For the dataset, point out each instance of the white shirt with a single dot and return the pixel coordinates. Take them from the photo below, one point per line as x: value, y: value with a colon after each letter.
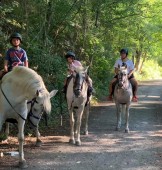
x: 129, y: 63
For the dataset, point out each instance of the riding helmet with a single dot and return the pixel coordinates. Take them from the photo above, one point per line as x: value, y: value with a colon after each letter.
x: 15, y: 35
x: 124, y: 50
x: 70, y: 54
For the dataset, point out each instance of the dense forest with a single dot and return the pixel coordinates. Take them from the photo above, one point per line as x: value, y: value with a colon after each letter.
x: 94, y: 30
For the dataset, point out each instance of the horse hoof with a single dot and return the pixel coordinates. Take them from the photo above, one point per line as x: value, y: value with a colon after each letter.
x: 23, y: 165
x: 71, y: 141
x: 126, y: 130
x: 85, y: 132
x: 38, y: 144
x: 78, y: 143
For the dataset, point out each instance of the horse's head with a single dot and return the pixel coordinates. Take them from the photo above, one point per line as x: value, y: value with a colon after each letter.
x: 80, y: 77
x: 122, y: 75
x: 39, y: 105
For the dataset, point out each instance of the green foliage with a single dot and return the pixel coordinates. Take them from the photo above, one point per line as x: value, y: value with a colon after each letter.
x: 94, y: 30
x: 151, y: 70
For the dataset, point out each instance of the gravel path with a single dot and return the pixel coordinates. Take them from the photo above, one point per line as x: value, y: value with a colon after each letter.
x: 104, y: 148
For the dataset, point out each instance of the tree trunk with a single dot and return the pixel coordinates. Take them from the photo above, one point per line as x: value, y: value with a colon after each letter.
x: 141, y: 65
x: 138, y: 59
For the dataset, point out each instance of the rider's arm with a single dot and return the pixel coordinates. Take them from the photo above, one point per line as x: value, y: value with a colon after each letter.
x: 73, y: 66
x: 130, y: 73
x: 132, y: 69
x: 26, y: 63
x: 6, y: 66
x: 25, y: 59
x: 116, y: 70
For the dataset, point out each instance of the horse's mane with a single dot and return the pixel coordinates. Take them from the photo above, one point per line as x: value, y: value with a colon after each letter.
x: 123, y: 69
x: 81, y: 69
x: 27, y: 77
x: 29, y: 81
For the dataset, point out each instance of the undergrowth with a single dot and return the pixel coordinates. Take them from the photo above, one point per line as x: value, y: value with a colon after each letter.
x: 150, y: 70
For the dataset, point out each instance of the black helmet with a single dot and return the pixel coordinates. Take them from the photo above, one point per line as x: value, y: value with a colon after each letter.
x: 16, y: 35
x: 70, y: 54
x: 124, y: 50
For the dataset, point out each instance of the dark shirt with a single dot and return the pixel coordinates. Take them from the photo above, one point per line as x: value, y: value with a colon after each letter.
x: 16, y: 57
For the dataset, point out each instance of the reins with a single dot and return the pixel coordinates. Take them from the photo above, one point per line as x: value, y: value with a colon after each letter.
x: 30, y: 113
x: 11, y: 104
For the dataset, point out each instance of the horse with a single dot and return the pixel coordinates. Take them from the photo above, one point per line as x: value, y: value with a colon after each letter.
x: 76, y: 96
x: 35, y: 111
x: 17, y: 87
x: 123, y: 96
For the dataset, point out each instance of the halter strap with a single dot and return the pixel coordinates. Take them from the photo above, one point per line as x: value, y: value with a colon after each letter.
x: 30, y: 113
x: 11, y: 104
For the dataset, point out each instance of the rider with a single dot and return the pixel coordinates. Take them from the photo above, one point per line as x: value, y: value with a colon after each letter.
x: 124, y: 60
x: 72, y: 65
x: 15, y: 56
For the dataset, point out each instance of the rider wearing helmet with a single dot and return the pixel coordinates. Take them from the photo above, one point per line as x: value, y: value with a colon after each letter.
x: 72, y: 65
x: 122, y: 61
x: 72, y: 62
x: 15, y: 56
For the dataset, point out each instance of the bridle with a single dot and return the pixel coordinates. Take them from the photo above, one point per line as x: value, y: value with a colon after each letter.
x: 78, y: 84
x: 30, y: 113
x: 122, y: 79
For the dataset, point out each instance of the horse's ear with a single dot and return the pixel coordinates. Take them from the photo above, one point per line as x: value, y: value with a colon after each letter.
x: 86, y: 69
x: 53, y: 93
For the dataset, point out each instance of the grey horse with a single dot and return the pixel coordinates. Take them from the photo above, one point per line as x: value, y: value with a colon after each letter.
x: 123, y: 96
x: 77, y: 104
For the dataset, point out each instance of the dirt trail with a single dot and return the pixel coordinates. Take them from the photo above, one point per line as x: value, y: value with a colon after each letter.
x: 104, y: 148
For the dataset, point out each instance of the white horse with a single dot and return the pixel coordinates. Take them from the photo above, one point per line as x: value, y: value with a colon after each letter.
x: 35, y: 112
x: 123, y: 97
x: 77, y: 104
x: 20, y: 85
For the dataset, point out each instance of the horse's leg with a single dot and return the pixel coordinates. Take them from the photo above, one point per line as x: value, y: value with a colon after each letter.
x: 6, y: 131
x: 1, y: 122
x: 38, y: 140
x: 7, y: 124
x: 2, y: 130
x: 86, y: 112
x: 22, y: 161
x: 118, y: 115
x: 72, y: 139
x: 127, y: 119
x: 78, y: 125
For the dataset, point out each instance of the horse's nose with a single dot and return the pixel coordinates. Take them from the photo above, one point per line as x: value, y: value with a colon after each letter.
x: 120, y: 84
x: 77, y: 92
